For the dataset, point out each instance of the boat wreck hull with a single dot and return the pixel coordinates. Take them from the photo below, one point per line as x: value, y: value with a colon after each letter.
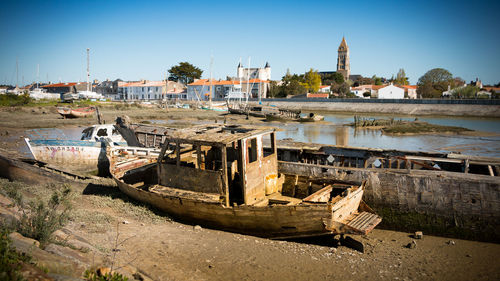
x: 76, y: 113
x: 273, y: 221
x: 80, y: 155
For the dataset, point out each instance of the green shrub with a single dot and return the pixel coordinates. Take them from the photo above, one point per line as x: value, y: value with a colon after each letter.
x: 10, y: 260
x: 40, y: 218
x: 14, y: 100
x: 93, y: 275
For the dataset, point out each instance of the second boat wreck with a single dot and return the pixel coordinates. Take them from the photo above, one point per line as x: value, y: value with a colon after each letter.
x: 220, y: 176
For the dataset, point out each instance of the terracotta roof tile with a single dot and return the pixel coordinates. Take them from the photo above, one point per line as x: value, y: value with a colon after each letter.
x: 317, y: 95
x: 69, y: 84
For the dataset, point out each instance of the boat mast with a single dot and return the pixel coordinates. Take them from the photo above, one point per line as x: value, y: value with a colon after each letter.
x: 210, y: 95
x: 240, y: 85
x: 17, y: 75
x: 259, y: 91
x: 88, y: 69
x: 37, y: 75
x: 248, y: 80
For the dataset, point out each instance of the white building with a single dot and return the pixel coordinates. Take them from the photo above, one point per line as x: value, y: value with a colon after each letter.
x: 149, y: 90
x: 200, y: 89
x: 391, y: 92
x: 324, y: 89
x: 360, y: 90
x: 410, y: 91
x: 254, y: 73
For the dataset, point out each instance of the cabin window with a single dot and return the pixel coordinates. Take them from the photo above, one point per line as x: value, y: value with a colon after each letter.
x: 87, y: 133
x: 102, y: 132
x: 252, y: 150
x: 268, y: 145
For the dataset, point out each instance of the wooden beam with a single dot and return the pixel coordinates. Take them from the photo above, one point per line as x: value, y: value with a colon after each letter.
x: 491, y: 171
x: 178, y: 153
x: 198, y: 155
x: 466, y: 166
x: 224, y: 174
x: 160, y: 158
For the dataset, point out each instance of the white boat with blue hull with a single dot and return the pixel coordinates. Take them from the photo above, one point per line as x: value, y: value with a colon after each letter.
x: 87, y: 153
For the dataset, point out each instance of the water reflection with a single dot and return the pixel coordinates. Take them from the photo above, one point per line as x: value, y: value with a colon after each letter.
x: 336, y: 133
x: 342, y: 136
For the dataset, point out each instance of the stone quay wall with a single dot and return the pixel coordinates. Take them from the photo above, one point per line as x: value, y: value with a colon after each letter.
x: 478, y: 108
x: 468, y: 202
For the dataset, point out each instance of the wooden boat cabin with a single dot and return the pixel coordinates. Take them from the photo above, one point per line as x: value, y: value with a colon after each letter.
x: 229, y: 160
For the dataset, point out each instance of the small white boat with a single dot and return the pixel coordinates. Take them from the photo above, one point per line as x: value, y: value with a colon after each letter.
x: 82, y: 154
x: 89, y: 152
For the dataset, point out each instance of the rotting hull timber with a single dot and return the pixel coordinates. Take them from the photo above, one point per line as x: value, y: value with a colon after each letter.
x: 272, y: 221
x: 17, y: 170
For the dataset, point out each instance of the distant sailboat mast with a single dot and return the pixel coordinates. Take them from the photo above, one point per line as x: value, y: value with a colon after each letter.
x: 211, y: 86
x: 17, y: 75
x: 248, y: 80
x: 88, y: 69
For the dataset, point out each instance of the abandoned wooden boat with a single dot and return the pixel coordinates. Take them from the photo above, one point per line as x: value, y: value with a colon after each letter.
x: 312, y: 117
x: 293, y: 115
x: 220, y: 176
x: 67, y: 112
x: 283, y: 115
x: 255, y: 111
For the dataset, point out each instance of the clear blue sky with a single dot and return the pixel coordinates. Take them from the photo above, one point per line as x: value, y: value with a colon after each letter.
x: 133, y: 40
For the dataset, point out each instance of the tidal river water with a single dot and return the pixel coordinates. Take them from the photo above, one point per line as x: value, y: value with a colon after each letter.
x: 333, y: 132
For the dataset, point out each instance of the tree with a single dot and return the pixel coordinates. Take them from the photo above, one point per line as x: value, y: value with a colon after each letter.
x: 294, y: 88
x: 275, y: 90
x: 465, y: 92
x: 401, y: 78
x: 434, y: 82
x: 365, y: 81
x: 338, y: 78
x: 184, y: 73
x: 377, y: 80
x: 312, y: 80
x: 341, y: 89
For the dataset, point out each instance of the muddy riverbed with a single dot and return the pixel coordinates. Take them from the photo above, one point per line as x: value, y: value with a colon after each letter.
x: 161, y: 249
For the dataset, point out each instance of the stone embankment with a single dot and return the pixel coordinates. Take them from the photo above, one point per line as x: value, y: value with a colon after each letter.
x: 475, y: 110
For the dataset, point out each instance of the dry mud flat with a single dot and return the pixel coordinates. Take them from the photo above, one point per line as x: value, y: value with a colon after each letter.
x: 108, y: 229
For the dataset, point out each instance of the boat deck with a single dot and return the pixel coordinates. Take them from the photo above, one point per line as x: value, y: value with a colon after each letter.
x: 180, y: 193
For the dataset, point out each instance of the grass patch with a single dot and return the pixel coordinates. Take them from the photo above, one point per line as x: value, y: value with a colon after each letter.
x: 393, y: 126
x: 94, y: 221
x: 104, y: 197
x: 416, y: 127
x: 15, y: 100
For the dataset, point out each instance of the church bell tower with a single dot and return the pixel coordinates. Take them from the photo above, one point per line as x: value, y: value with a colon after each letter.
x: 343, y: 65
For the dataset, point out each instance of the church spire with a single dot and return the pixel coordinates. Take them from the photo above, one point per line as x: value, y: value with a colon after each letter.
x: 343, y: 45
x: 343, y: 65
